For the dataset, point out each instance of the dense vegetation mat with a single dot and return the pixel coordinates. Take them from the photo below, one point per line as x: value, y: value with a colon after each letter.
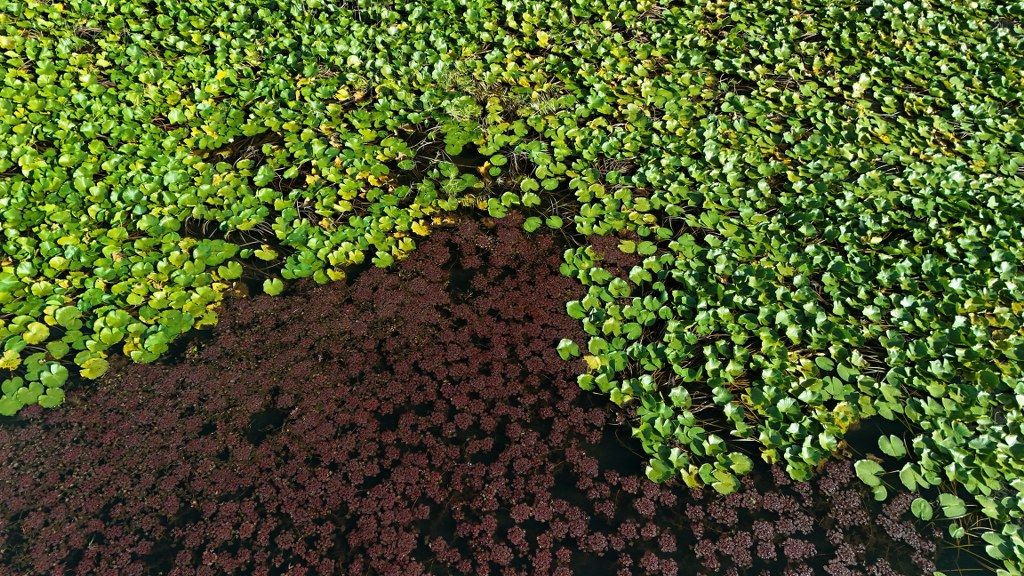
x: 336, y: 432
x: 824, y: 197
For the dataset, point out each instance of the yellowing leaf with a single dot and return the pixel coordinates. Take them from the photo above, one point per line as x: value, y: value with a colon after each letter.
x: 36, y: 333
x: 420, y: 228
x: 94, y: 368
x: 10, y: 360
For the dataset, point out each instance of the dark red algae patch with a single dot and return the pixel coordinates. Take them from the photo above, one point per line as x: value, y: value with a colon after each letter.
x: 415, y: 421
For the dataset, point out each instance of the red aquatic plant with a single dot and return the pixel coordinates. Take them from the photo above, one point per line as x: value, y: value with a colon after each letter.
x: 416, y: 420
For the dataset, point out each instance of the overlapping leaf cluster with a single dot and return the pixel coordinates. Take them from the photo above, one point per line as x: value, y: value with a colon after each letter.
x: 153, y: 153
x: 838, y: 197
x: 824, y: 198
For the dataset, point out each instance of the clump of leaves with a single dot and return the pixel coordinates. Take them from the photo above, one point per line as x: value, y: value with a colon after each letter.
x: 826, y: 237
x: 826, y: 200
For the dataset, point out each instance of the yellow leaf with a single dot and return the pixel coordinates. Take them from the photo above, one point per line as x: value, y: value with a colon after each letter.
x: 420, y: 228
x: 10, y: 360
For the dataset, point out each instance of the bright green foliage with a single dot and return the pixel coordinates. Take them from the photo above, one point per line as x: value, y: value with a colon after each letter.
x: 921, y: 508
x: 147, y: 149
x: 273, y: 286
x: 825, y: 197
x: 834, y: 196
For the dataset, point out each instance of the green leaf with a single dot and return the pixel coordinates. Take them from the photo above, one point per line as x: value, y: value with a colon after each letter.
x: 880, y: 493
x: 67, y: 316
x: 568, y: 349
x: 868, y: 471
x: 909, y: 477
x: 383, y: 260
x: 230, y: 271
x: 265, y: 253
x: 532, y: 223
x: 952, y: 505
x: 824, y: 363
x: 264, y: 175
x: 892, y: 445
x: 530, y: 199
x: 52, y: 398
x: 725, y: 482
x: 575, y: 309
x: 54, y: 376
x: 273, y: 286
x: 921, y: 508
x: 740, y: 463
x: 9, y: 406
x: 10, y: 360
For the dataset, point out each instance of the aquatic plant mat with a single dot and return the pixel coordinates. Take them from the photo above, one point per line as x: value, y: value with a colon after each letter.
x: 334, y: 431
x: 796, y: 227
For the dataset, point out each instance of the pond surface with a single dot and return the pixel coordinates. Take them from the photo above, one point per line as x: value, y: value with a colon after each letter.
x: 411, y: 421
